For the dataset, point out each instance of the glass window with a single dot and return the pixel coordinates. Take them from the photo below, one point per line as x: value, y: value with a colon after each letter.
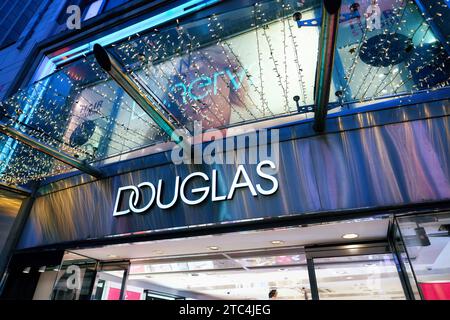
x: 365, y: 277
x: 386, y: 48
x: 239, y: 66
x: 109, y: 281
x: 75, y: 278
x: 427, y: 241
x: 234, y: 275
x: 44, y: 287
x: 404, y: 259
x: 246, y: 64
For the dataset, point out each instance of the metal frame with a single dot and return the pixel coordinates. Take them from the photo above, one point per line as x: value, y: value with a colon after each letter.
x: 15, y: 189
x: 434, y: 27
x: 325, y: 60
x: 312, y: 279
x: 130, y: 86
x: 13, y: 238
x: 403, y: 274
x: 121, y: 265
x: 49, y: 150
x: 409, y: 259
x: 350, y: 249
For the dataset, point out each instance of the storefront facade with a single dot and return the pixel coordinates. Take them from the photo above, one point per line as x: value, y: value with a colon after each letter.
x: 357, y: 211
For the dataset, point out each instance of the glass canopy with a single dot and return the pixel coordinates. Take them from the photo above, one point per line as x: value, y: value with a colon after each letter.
x: 236, y: 67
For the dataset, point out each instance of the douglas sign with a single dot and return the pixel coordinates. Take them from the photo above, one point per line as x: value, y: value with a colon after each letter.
x: 241, y: 180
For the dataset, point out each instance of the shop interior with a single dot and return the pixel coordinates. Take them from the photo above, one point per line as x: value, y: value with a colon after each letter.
x: 348, y: 260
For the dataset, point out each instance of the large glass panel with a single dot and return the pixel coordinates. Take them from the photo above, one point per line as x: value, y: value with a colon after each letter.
x: 75, y: 278
x: 237, y: 66
x: 427, y: 241
x: 234, y: 275
x: 404, y: 259
x: 44, y: 287
x: 387, y: 48
x: 364, y: 277
x: 109, y: 281
x: 243, y: 64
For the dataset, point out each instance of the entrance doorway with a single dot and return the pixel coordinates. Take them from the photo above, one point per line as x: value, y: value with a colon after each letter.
x: 247, y: 275
x: 255, y: 264
x: 110, y: 281
x: 277, y: 263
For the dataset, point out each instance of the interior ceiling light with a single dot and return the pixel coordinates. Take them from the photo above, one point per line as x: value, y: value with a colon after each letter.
x: 26, y: 270
x: 213, y: 248
x: 277, y: 242
x: 350, y: 236
x: 42, y: 269
x: 112, y: 256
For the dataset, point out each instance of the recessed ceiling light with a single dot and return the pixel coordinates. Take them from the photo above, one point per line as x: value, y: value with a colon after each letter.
x: 213, y: 248
x: 112, y: 256
x: 277, y: 242
x: 158, y: 252
x: 350, y: 236
x: 42, y: 269
x: 349, y: 278
x: 26, y: 270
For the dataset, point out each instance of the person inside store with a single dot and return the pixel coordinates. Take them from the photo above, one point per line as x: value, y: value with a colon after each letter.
x: 273, y: 294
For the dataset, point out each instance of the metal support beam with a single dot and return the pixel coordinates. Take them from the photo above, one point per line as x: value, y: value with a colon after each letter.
x: 325, y: 60
x: 15, y: 189
x: 115, y: 70
x: 49, y: 150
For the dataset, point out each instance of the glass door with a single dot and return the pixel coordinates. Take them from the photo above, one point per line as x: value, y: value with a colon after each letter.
x: 426, y: 252
x: 110, y: 281
x: 355, y: 272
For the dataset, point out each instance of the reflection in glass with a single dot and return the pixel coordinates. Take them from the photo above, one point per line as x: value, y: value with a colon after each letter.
x: 234, y: 67
x: 75, y: 278
x: 236, y: 275
x: 403, y: 256
x: 427, y: 241
x: 365, y: 277
x: 109, y: 281
x: 44, y: 287
x: 388, y: 49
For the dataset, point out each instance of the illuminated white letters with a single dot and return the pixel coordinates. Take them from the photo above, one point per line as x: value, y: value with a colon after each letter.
x: 241, y: 180
x: 205, y: 190
x: 236, y: 184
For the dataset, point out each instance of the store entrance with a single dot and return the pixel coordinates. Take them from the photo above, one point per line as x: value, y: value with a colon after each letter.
x: 110, y: 281
x: 247, y: 275
x: 266, y: 264
x: 342, y: 260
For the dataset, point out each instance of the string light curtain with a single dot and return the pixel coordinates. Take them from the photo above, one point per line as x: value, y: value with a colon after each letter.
x: 241, y: 66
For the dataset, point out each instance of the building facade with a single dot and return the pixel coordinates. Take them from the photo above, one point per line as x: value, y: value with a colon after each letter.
x: 225, y: 149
